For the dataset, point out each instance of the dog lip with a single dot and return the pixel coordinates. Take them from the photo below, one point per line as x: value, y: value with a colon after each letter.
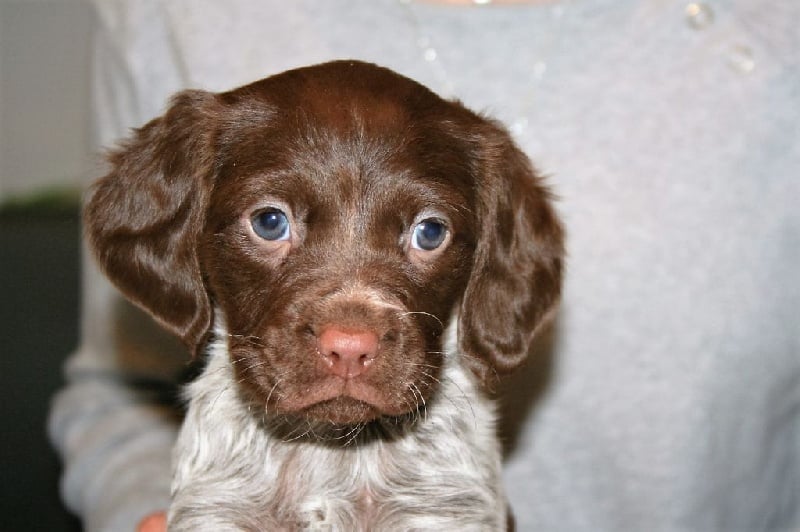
x: 343, y: 411
x: 338, y: 388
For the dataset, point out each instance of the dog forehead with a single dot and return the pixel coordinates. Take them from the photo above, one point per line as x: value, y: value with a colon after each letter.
x: 355, y: 175
x: 341, y: 96
x: 349, y: 135
x: 331, y: 86
x: 346, y: 125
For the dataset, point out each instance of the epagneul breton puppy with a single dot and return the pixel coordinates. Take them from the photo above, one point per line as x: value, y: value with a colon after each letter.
x: 358, y: 260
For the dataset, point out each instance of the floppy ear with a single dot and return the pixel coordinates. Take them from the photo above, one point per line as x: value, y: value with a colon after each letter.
x: 143, y: 219
x: 515, y: 282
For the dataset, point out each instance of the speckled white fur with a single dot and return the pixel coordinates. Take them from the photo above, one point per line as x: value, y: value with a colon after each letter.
x: 232, y: 473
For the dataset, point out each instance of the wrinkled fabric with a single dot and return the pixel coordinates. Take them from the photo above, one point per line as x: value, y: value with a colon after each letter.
x: 666, y: 395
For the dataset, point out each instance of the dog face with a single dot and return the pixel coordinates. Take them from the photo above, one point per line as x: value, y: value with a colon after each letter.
x: 337, y: 261
x: 335, y: 217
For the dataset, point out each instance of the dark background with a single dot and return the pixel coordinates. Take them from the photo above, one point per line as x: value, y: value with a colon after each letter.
x: 45, y: 142
x: 39, y: 279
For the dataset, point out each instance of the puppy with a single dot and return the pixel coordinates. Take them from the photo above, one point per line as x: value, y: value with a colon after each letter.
x: 358, y: 260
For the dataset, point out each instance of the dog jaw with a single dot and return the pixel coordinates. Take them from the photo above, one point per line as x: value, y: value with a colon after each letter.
x: 248, y: 474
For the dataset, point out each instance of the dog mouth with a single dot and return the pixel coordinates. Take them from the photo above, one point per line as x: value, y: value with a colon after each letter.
x: 341, y: 422
x: 348, y: 402
x: 354, y: 365
x: 342, y: 411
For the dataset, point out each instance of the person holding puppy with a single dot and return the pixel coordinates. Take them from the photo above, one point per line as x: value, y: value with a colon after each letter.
x: 665, y: 396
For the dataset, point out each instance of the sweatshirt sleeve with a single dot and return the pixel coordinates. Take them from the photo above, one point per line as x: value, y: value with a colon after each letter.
x: 115, y: 421
x: 116, y: 442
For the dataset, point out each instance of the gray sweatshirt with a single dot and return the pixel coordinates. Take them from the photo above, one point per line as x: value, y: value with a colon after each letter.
x: 667, y: 394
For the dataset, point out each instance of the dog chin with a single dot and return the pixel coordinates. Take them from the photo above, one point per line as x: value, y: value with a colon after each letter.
x: 342, y: 411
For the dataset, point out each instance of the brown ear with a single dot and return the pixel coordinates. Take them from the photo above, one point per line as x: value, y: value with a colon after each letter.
x: 143, y: 219
x: 516, y: 276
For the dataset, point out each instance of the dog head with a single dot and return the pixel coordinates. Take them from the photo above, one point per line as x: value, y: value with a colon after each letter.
x: 335, y: 217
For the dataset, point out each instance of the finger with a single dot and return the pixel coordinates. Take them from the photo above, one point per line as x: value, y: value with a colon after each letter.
x: 153, y: 523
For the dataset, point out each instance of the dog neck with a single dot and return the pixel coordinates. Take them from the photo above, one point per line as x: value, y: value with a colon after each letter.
x: 363, y: 482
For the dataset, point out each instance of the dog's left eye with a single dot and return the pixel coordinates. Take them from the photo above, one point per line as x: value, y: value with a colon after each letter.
x: 428, y: 235
x: 271, y: 224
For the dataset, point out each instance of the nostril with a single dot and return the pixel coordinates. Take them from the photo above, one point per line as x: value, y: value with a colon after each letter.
x: 362, y: 359
x: 347, y: 353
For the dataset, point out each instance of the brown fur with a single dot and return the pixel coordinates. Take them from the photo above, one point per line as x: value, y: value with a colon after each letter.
x: 354, y: 153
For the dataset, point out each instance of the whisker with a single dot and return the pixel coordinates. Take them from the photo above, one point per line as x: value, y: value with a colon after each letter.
x: 413, y: 415
x: 296, y: 429
x: 222, y: 369
x: 221, y: 392
x: 425, y: 370
x: 466, y: 399
x: 479, y: 360
x: 424, y: 314
x: 421, y: 365
x: 353, y: 434
x: 269, y: 395
x: 251, y: 339
x: 256, y: 364
x: 418, y: 393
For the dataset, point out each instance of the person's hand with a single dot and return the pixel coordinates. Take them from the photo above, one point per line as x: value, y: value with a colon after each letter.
x: 156, y: 522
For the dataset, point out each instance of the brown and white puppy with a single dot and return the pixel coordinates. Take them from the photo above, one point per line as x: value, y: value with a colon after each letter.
x: 358, y: 259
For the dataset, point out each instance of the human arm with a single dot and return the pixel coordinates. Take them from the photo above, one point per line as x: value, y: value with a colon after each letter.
x: 115, y: 421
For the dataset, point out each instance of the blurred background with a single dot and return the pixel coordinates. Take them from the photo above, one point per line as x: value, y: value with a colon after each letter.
x: 45, y: 156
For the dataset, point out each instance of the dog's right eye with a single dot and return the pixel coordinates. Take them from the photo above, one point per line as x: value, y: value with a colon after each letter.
x: 428, y: 235
x: 271, y: 224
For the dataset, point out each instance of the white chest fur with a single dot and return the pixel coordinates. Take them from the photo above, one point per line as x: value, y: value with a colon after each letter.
x: 230, y: 473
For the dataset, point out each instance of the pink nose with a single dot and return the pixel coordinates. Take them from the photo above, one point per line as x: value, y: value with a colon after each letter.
x: 347, y: 353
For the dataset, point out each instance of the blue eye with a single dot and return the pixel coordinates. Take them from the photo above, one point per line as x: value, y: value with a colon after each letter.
x: 428, y: 235
x: 271, y: 224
